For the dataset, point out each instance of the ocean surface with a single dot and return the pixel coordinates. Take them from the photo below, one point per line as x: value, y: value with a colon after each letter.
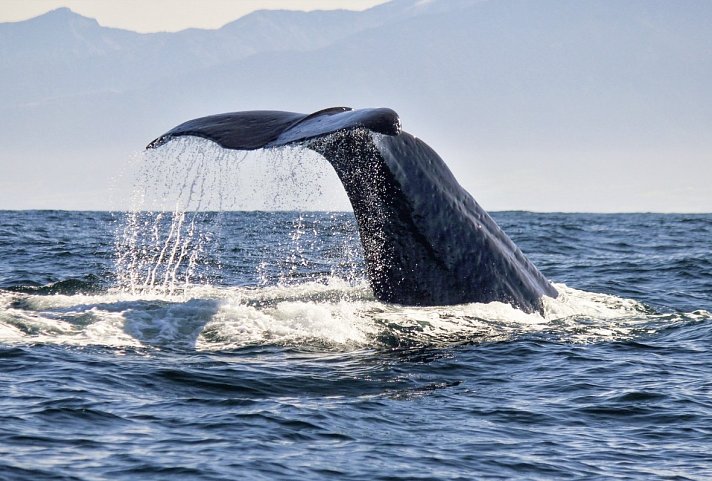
x: 247, y: 345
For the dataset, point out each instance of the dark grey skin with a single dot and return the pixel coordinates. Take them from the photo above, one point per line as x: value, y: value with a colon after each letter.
x: 426, y: 241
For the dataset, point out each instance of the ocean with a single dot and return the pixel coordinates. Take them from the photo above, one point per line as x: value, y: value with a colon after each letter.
x: 250, y: 347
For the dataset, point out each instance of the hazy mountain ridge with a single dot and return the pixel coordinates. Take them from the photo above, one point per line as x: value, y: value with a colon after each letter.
x: 530, y: 82
x: 85, y: 56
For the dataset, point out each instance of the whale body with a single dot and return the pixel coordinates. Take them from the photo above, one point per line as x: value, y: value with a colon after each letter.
x: 426, y: 241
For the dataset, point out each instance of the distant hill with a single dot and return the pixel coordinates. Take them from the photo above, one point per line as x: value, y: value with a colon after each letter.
x: 549, y: 105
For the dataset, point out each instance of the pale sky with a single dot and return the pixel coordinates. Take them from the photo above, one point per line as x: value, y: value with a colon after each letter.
x: 167, y: 15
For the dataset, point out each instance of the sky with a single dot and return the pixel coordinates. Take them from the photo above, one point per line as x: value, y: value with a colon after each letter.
x: 537, y: 128
x: 150, y: 15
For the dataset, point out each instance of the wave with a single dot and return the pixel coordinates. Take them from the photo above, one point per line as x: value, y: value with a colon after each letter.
x: 87, y: 284
x: 329, y: 315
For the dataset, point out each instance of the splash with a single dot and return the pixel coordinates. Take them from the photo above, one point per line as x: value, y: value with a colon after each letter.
x: 168, y: 241
x: 314, y: 315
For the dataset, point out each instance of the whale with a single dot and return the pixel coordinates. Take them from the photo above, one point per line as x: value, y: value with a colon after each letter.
x: 426, y: 241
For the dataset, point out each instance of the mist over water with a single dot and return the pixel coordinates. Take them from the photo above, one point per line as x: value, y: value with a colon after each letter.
x: 195, y: 337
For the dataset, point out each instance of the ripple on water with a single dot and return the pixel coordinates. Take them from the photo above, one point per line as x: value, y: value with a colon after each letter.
x: 273, y: 374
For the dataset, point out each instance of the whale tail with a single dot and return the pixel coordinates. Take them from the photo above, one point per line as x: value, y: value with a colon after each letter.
x: 426, y: 240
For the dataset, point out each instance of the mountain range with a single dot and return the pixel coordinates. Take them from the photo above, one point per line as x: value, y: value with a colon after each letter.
x: 591, y: 105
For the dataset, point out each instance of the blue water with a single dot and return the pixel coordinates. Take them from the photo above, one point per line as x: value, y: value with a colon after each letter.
x: 258, y: 352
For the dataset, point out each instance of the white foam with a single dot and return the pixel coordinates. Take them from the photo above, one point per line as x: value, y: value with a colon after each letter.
x: 335, y: 314
x: 9, y: 333
x: 287, y: 322
x: 576, y: 303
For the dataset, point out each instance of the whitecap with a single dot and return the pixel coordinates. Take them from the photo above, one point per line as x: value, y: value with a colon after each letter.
x: 330, y: 315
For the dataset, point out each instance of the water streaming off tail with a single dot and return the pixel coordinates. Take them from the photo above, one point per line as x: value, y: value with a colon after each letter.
x: 169, y: 239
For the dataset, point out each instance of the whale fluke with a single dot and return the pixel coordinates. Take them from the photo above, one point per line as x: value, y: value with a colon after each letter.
x: 426, y: 241
x: 260, y: 129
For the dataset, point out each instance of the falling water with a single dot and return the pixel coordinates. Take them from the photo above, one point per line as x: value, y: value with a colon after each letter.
x: 168, y: 240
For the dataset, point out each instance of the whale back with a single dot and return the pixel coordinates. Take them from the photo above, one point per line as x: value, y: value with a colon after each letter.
x: 426, y: 241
